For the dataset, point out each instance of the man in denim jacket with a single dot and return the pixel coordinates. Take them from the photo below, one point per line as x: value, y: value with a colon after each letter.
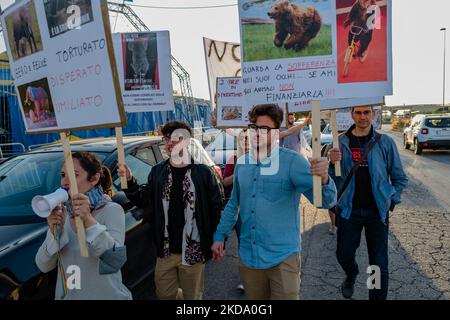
x: 373, y: 191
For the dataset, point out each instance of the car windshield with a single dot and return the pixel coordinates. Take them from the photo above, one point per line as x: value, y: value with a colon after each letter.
x: 25, y: 176
x: 438, y: 123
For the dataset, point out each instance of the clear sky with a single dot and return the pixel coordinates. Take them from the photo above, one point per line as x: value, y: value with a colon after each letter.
x: 417, y: 42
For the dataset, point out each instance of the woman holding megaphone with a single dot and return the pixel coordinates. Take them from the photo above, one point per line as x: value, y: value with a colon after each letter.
x: 98, y: 276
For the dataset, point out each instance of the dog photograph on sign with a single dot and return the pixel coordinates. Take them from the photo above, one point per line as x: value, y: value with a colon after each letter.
x: 286, y: 29
x: 361, y: 40
x: 23, y: 31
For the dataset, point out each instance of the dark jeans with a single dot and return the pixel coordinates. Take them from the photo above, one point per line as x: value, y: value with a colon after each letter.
x: 349, y: 238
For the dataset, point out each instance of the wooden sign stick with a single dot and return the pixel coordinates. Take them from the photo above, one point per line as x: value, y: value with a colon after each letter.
x: 317, y: 180
x: 68, y: 161
x: 121, y: 156
x: 333, y: 123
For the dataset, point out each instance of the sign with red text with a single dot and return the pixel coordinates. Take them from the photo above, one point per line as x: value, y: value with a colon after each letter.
x: 305, y: 50
x: 143, y: 62
x: 304, y: 105
x: 231, y: 109
x: 63, y: 65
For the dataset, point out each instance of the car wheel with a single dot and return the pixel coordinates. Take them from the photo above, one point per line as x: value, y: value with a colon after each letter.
x: 417, y: 147
x: 406, y: 145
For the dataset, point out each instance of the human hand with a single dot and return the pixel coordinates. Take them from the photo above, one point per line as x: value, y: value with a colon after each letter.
x: 218, y: 251
x: 319, y: 167
x: 335, y: 155
x: 81, y: 208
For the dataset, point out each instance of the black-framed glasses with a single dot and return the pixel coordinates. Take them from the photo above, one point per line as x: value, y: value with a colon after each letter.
x: 365, y: 112
x: 254, y: 127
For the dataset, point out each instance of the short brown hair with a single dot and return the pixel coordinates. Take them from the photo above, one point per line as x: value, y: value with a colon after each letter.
x: 273, y: 111
x: 353, y: 108
x: 171, y: 126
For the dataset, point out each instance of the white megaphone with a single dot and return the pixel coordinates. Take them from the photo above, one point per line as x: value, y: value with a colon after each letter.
x: 43, y: 205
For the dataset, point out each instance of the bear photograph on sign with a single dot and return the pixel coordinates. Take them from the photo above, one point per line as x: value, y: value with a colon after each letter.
x: 61, y: 15
x: 23, y: 31
x: 141, y: 61
x: 285, y: 29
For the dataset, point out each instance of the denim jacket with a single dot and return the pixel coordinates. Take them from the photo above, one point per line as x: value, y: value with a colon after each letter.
x: 386, y: 173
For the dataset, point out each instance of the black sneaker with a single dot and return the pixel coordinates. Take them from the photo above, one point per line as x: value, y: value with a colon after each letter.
x: 348, y: 287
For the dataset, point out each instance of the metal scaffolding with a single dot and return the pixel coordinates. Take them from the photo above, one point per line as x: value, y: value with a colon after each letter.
x: 189, y: 112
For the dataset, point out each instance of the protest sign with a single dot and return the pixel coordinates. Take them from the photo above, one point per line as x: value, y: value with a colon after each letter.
x: 63, y: 65
x: 299, y: 50
x: 303, y: 106
x: 223, y: 59
x: 231, y: 109
x: 145, y: 76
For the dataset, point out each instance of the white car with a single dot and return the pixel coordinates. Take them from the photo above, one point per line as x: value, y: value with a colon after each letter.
x: 326, y: 136
x: 428, y: 132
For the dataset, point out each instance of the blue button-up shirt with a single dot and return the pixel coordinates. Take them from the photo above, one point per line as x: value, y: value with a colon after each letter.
x: 266, y: 195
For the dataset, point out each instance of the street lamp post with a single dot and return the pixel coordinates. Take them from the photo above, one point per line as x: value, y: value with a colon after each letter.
x: 443, y: 88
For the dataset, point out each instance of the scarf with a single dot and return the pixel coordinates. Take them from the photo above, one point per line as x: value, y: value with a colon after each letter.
x: 97, y: 200
x: 191, y: 250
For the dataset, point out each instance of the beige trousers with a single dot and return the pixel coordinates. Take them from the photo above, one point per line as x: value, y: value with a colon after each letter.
x: 170, y: 275
x: 281, y: 282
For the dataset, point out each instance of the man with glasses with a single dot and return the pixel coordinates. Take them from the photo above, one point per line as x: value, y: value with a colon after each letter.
x: 183, y: 202
x: 267, y: 185
x: 372, y: 191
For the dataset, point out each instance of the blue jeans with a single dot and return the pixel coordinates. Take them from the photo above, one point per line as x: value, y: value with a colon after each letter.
x: 349, y: 238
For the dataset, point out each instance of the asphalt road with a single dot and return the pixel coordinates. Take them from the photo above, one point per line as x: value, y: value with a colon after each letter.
x: 431, y: 168
x: 419, y: 242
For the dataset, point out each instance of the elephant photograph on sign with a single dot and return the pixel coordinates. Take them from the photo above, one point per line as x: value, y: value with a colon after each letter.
x: 37, y: 104
x: 23, y: 31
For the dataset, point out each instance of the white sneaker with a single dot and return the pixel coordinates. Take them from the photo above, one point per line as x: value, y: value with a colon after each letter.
x: 240, y: 287
x: 332, y: 231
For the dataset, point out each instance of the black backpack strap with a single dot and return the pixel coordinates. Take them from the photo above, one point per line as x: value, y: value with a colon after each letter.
x: 355, y: 168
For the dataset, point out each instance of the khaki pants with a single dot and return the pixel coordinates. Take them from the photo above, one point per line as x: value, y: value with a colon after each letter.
x: 281, y: 282
x: 170, y: 275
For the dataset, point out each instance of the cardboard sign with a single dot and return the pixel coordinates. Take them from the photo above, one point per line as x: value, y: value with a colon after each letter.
x: 223, y: 59
x: 299, y: 50
x: 143, y: 61
x: 63, y: 65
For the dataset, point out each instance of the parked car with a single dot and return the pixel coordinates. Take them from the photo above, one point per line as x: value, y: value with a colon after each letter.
x: 326, y: 136
x: 22, y: 232
x: 428, y: 132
